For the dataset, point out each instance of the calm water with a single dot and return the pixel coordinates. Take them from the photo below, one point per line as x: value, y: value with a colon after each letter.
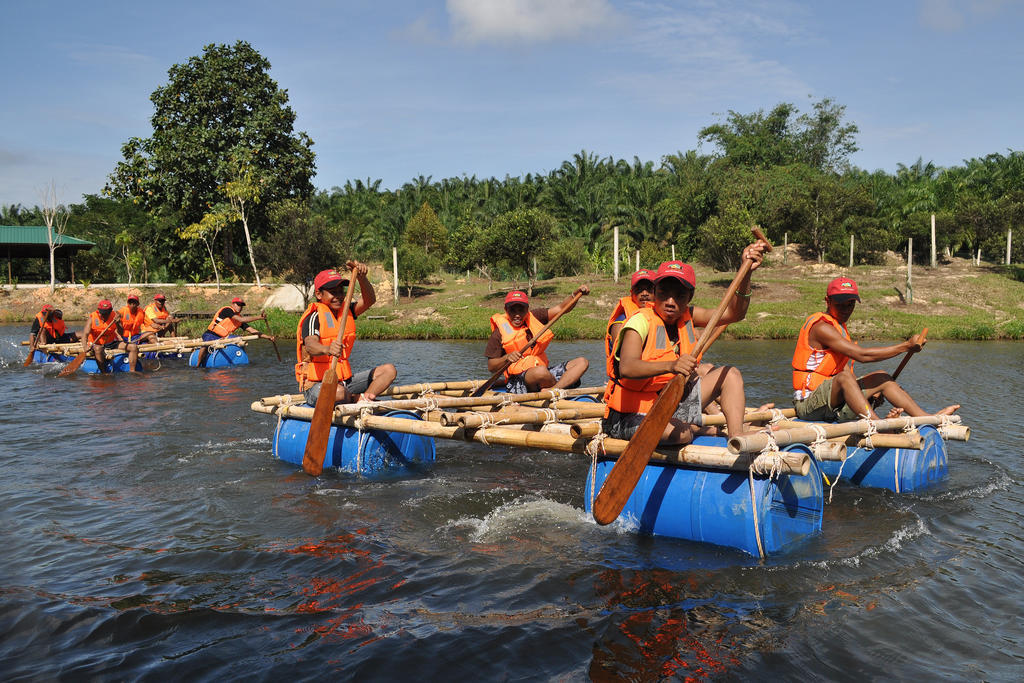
x: 148, y: 533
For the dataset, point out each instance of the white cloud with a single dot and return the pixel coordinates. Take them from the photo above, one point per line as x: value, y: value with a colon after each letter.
x: 476, y: 21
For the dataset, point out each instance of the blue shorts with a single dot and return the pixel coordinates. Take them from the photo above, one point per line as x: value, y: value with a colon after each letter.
x: 517, y: 383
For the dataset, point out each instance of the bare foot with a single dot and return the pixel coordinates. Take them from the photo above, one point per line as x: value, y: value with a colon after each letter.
x: 949, y: 410
x: 894, y: 412
x: 366, y: 396
x: 764, y: 406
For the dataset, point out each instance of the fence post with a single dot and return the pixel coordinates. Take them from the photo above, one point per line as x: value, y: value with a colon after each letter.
x: 673, y: 252
x: 1009, y: 244
x: 615, y: 249
x: 394, y: 262
x: 637, y: 261
x: 933, y: 240
x: 785, y: 247
x: 851, y: 250
x: 910, y: 264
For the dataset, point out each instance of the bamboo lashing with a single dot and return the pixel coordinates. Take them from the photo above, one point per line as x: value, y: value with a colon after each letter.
x: 754, y: 443
x: 703, y: 456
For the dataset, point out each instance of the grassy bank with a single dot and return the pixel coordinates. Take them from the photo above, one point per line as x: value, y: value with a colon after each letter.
x: 955, y: 300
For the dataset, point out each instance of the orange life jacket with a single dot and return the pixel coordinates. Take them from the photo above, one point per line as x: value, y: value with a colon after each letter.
x: 41, y: 319
x: 222, y: 327
x: 813, y: 366
x: 131, y: 323
x: 54, y: 329
x: 310, y: 369
x: 628, y: 395
x: 626, y: 306
x: 514, y: 339
x: 153, y: 314
x: 96, y: 325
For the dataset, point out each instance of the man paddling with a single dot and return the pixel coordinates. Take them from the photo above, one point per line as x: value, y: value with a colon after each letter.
x: 225, y: 322
x: 318, y: 338
x: 54, y: 330
x: 103, y: 331
x: 641, y: 295
x: 654, y: 345
x: 512, y: 330
x: 824, y: 386
x: 34, y: 336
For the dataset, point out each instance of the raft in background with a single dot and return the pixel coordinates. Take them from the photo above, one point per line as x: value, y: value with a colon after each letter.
x: 118, y: 361
x: 226, y: 352
x: 226, y: 356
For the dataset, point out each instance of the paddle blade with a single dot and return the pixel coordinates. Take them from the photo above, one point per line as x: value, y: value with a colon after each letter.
x: 320, y: 425
x: 72, y: 367
x: 626, y: 471
x: 28, y: 361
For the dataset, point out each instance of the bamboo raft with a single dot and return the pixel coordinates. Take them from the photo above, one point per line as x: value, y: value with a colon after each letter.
x: 762, y: 493
x: 225, y: 352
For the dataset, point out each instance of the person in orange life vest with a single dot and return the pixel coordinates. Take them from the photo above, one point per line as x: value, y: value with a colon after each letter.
x: 158, y: 319
x: 319, y: 337
x: 824, y: 385
x: 55, y: 331
x: 132, y: 318
x: 641, y: 295
x: 34, y: 338
x: 103, y: 331
x: 226, y: 321
x: 513, y: 329
x: 655, y: 344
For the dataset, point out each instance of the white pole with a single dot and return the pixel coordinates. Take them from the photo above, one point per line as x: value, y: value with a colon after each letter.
x: 851, y: 250
x: 394, y: 261
x: 977, y: 261
x: 910, y: 263
x: 1009, y: 244
x: 615, y: 256
x: 673, y: 252
x: 637, y: 261
x: 933, y: 240
x: 785, y: 247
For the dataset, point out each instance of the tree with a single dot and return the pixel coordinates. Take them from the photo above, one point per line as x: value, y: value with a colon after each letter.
x: 243, y: 192
x: 516, y: 237
x: 427, y: 231
x: 415, y: 265
x: 301, y: 246
x: 207, y: 229
x: 215, y: 109
x: 56, y: 218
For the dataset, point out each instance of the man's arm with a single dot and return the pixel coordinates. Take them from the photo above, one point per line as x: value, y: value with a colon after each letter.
x: 737, y: 308
x: 824, y: 336
x: 367, y: 295
x: 568, y: 304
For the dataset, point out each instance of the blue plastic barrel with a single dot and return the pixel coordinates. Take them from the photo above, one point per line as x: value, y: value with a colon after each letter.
x: 226, y: 357
x: 41, y: 357
x: 902, y: 470
x: 369, y: 453
x: 118, y: 363
x: 715, y: 506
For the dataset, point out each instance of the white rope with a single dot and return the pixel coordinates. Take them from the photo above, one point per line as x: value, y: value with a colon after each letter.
x: 488, y: 420
x: 770, y: 454
x: 753, y: 506
x: 842, y: 463
x: 777, y: 416
x: 820, y: 436
x: 868, y: 433
x: 550, y: 415
x: 908, y: 425
x: 429, y: 404
x: 365, y: 411
x: 594, y: 446
x: 506, y: 400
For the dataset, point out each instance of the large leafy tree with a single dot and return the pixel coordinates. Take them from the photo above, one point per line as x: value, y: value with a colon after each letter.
x: 216, y: 108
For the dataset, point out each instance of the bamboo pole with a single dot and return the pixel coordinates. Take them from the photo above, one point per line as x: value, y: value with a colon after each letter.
x: 524, y: 415
x: 753, y: 443
x: 432, y: 386
x: 704, y: 456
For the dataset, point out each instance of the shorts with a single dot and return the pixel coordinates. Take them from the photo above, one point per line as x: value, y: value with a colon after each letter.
x: 517, y: 384
x: 134, y: 339
x: 815, y: 408
x: 355, y: 385
x: 624, y: 425
x: 211, y: 336
x: 112, y: 345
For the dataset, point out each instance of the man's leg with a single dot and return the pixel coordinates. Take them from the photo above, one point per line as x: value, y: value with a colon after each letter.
x: 133, y: 356
x: 882, y: 383
x: 725, y: 385
x: 538, y: 377
x: 574, y: 370
x: 381, y: 377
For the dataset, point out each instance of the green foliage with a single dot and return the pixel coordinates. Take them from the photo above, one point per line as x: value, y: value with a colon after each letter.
x: 415, y: 265
x: 516, y: 237
x: 464, y: 243
x: 724, y: 236
x: 301, y: 245
x: 424, y: 229
x: 653, y: 254
x: 563, y: 257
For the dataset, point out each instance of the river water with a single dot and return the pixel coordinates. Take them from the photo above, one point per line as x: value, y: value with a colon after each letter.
x: 149, y: 533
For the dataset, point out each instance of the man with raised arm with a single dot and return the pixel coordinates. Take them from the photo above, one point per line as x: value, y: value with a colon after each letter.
x: 225, y: 322
x: 528, y: 371
x: 319, y: 338
x: 824, y: 386
x: 654, y: 345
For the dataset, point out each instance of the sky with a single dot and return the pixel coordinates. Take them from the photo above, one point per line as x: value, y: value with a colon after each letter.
x: 396, y: 89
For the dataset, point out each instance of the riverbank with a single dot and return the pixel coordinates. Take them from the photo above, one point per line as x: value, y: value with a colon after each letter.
x: 955, y: 300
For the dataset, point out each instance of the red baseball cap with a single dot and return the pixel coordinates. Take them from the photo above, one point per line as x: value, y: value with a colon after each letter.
x: 45, y: 308
x: 642, y: 274
x: 517, y: 297
x: 105, y: 305
x: 326, y: 278
x: 159, y: 297
x: 842, y: 289
x: 132, y: 297
x: 679, y: 270
x: 238, y: 300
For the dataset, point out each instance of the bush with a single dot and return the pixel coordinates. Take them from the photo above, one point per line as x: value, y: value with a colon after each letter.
x: 562, y: 258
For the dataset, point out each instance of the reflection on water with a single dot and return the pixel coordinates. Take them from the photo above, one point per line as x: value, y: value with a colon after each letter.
x: 149, y: 531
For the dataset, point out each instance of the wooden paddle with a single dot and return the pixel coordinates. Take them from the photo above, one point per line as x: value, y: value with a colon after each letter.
x: 626, y: 471
x: 877, y: 399
x: 494, y: 378
x: 72, y: 367
x: 320, y: 425
x: 31, y: 350
x: 272, y: 341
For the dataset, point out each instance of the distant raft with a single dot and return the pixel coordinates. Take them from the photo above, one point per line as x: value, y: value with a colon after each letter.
x: 221, y: 353
x: 117, y: 362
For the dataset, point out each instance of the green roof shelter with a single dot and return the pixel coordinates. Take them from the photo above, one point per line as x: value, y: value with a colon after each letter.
x: 30, y: 241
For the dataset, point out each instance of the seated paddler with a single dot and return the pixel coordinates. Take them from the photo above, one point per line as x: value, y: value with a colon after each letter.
x: 319, y: 337
x: 655, y: 344
x: 527, y: 369
x: 225, y: 321
x: 641, y: 295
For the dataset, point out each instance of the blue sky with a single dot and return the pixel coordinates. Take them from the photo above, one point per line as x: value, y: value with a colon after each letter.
x: 392, y: 89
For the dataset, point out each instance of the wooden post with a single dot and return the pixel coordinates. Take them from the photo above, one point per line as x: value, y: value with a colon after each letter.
x: 637, y: 261
x: 615, y: 249
x: 673, y: 252
x: 394, y: 263
x: 910, y: 264
x: 851, y: 250
x: 785, y: 247
x: 933, y: 240
x: 1009, y: 244
x: 977, y: 261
